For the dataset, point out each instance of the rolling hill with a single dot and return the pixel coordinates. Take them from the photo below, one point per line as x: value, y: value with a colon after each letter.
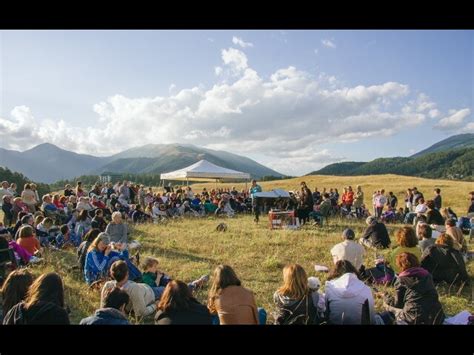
x: 451, y: 158
x: 48, y: 163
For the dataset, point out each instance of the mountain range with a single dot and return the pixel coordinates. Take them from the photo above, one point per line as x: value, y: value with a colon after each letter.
x: 49, y: 163
x: 449, y: 158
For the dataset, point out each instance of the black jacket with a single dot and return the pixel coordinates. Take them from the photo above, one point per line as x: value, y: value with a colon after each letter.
x: 40, y: 313
x: 434, y: 217
x: 416, y: 298
x: 295, y: 311
x: 196, y: 314
x: 445, y: 264
x: 378, y: 234
x: 81, y: 254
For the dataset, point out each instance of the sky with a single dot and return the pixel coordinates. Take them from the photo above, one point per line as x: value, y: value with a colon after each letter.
x: 294, y: 101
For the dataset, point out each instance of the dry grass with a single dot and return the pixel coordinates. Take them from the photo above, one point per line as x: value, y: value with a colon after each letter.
x: 189, y: 248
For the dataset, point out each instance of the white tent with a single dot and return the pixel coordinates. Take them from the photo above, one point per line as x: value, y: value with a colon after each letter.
x: 204, y: 171
x: 277, y: 193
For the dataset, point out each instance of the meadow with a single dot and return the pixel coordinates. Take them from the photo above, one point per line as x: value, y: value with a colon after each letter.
x: 190, y: 247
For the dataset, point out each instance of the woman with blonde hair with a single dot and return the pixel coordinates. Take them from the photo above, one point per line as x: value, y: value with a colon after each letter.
x: 230, y: 302
x: 293, y: 299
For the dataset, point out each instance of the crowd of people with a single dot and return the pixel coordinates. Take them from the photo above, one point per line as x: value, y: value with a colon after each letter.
x: 430, y: 249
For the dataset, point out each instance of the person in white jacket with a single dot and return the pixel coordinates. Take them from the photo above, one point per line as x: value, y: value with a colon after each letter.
x: 143, y: 299
x: 348, y: 299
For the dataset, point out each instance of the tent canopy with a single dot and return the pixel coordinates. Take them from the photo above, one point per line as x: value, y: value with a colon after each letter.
x: 204, y: 171
x: 277, y: 193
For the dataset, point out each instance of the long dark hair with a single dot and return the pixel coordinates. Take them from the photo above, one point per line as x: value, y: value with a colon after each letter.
x: 342, y: 267
x: 176, y: 296
x: 46, y: 288
x: 15, y: 288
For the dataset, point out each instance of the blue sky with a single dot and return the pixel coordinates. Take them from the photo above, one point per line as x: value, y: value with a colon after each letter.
x: 335, y: 95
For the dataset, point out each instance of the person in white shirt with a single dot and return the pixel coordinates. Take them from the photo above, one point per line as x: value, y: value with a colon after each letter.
x: 421, y: 207
x: 349, y: 250
x: 4, y: 191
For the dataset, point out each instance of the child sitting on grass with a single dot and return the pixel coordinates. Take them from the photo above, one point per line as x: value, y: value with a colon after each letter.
x: 66, y: 239
x: 157, y: 279
x: 42, y: 231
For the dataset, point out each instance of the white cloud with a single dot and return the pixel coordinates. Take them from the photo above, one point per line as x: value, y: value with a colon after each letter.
x: 172, y: 88
x: 237, y: 60
x: 239, y: 41
x: 328, y: 43
x: 469, y: 128
x: 454, y: 121
x: 285, y: 117
x: 316, y: 51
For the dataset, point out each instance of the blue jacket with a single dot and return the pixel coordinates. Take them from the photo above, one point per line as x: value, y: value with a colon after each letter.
x: 98, y: 263
x: 106, y: 316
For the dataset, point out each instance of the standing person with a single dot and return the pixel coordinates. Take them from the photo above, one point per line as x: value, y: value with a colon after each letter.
x: 293, y: 299
x: 359, y: 200
x: 392, y: 200
x: 124, y: 191
x: 113, y: 311
x: 79, y: 190
x: 408, y: 201
x: 44, y: 304
x: 306, y: 203
x: 380, y: 202
x: 230, y: 301
x: 316, y: 196
x: 4, y: 191
x: 141, y: 195
x: 8, y: 211
x: 255, y: 188
x: 29, y: 198
x: 470, y: 211
x: 416, y: 299
x: 35, y: 190
x: 374, y: 201
x: 437, y: 199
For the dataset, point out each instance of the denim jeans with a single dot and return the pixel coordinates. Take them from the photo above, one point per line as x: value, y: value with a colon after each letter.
x: 262, y: 317
x: 165, y: 279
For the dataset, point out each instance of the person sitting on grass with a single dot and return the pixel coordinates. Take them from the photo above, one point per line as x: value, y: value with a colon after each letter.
x: 15, y: 288
x: 100, y: 257
x: 348, y: 299
x: 444, y: 262
x: 178, y: 306
x: 376, y: 235
x: 416, y: 300
x: 229, y: 302
x: 44, y: 304
x: 83, y: 224
x: 98, y: 221
x: 407, y: 243
x: 7, y: 209
x: 425, y: 239
x: 454, y: 232
x: 28, y: 241
x: 65, y: 239
x: 293, y: 299
x: 42, y: 231
x: 84, y: 246
x: 433, y: 216
x: 117, y: 230
x: 22, y: 256
x: 349, y: 250
x: 138, y: 216
x: 158, y: 280
x: 113, y: 311
x: 143, y: 299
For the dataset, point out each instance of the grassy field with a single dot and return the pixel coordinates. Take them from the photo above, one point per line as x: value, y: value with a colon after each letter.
x: 189, y: 248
